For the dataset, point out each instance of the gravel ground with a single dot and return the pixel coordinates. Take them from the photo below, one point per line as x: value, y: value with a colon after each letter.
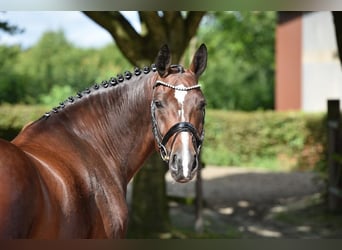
x: 254, y: 203
x: 227, y: 185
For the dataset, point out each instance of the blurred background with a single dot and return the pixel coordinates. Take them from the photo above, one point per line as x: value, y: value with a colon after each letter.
x: 272, y: 155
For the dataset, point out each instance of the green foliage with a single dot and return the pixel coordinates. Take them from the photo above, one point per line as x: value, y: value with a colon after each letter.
x: 54, y: 65
x: 240, y: 72
x: 12, y: 86
x: 281, y: 140
x: 14, y: 117
x: 239, y: 76
x: 56, y: 93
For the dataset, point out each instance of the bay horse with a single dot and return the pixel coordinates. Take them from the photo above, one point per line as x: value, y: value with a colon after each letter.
x: 65, y: 175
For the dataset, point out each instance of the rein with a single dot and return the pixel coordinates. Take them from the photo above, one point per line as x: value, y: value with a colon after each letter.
x: 175, y: 129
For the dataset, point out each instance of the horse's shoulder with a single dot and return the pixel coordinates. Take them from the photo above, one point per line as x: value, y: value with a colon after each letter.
x: 11, y: 154
x: 15, y: 166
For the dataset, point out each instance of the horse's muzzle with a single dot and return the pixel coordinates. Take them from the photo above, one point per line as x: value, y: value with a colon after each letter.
x: 183, y: 169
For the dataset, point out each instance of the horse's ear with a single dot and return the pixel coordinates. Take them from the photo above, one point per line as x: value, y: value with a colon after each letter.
x: 163, y: 61
x: 199, y: 61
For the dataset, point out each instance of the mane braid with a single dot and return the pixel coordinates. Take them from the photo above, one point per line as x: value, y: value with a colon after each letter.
x: 112, y: 82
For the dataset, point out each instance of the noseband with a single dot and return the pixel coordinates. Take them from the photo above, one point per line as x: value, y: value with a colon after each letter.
x: 175, y: 129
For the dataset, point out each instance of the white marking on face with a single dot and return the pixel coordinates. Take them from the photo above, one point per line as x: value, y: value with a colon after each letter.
x: 185, y: 153
x: 180, y: 96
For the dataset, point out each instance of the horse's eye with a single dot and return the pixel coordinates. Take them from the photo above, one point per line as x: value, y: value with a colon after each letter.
x: 202, y: 105
x: 158, y: 104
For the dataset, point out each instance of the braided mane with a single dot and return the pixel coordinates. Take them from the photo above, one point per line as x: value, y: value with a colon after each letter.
x: 106, y: 84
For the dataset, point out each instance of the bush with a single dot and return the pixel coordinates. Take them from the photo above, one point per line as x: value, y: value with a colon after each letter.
x: 265, y: 139
x: 262, y: 139
x: 14, y: 117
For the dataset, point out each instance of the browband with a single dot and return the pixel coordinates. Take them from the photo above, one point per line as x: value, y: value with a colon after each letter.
x: 158, y: 82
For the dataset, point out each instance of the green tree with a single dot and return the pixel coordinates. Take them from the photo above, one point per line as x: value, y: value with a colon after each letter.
x: 240, y: 75
x: 57, y: 93
x: 55, y: 65
x: 176, y: 28
x: 12, y: 88
x: 10, y: 83
x: 42, y: 63
x: 337, y: 17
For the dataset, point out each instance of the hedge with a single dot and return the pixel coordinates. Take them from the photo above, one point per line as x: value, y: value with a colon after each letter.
x: 278, y: 139
x: 267, y: 139
x: 14, y: 117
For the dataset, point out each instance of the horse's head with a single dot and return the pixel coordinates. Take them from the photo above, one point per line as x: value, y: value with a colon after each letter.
x: 178, y: 109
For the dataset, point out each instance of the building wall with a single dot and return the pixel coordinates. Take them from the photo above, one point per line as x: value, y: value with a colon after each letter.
x: 321, y: 69
x: 288, y: 61
x: 308, y: 70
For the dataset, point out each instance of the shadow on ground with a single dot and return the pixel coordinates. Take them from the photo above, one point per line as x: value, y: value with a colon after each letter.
x: 246, y: 203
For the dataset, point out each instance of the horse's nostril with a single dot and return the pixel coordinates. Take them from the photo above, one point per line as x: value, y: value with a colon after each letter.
x: 174, y: 162
x: 194, y: 163
x: 174, y: 158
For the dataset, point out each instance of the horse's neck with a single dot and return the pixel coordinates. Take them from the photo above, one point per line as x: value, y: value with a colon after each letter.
x: 119, y: 126
x: 115, y: 123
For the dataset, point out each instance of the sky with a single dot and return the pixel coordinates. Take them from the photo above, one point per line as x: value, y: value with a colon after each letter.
x: 78, y: 28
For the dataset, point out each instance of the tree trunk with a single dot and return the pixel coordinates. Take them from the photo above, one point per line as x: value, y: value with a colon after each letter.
x: 149, y: 212
x: 157, y: 28
x: 334, y: 149
x: 337, y: 15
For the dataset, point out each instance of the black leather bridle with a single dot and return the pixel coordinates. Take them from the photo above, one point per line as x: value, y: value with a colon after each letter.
x: 161, y: 140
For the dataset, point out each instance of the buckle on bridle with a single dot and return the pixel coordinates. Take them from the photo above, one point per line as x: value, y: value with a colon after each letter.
x: 163, y: 153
